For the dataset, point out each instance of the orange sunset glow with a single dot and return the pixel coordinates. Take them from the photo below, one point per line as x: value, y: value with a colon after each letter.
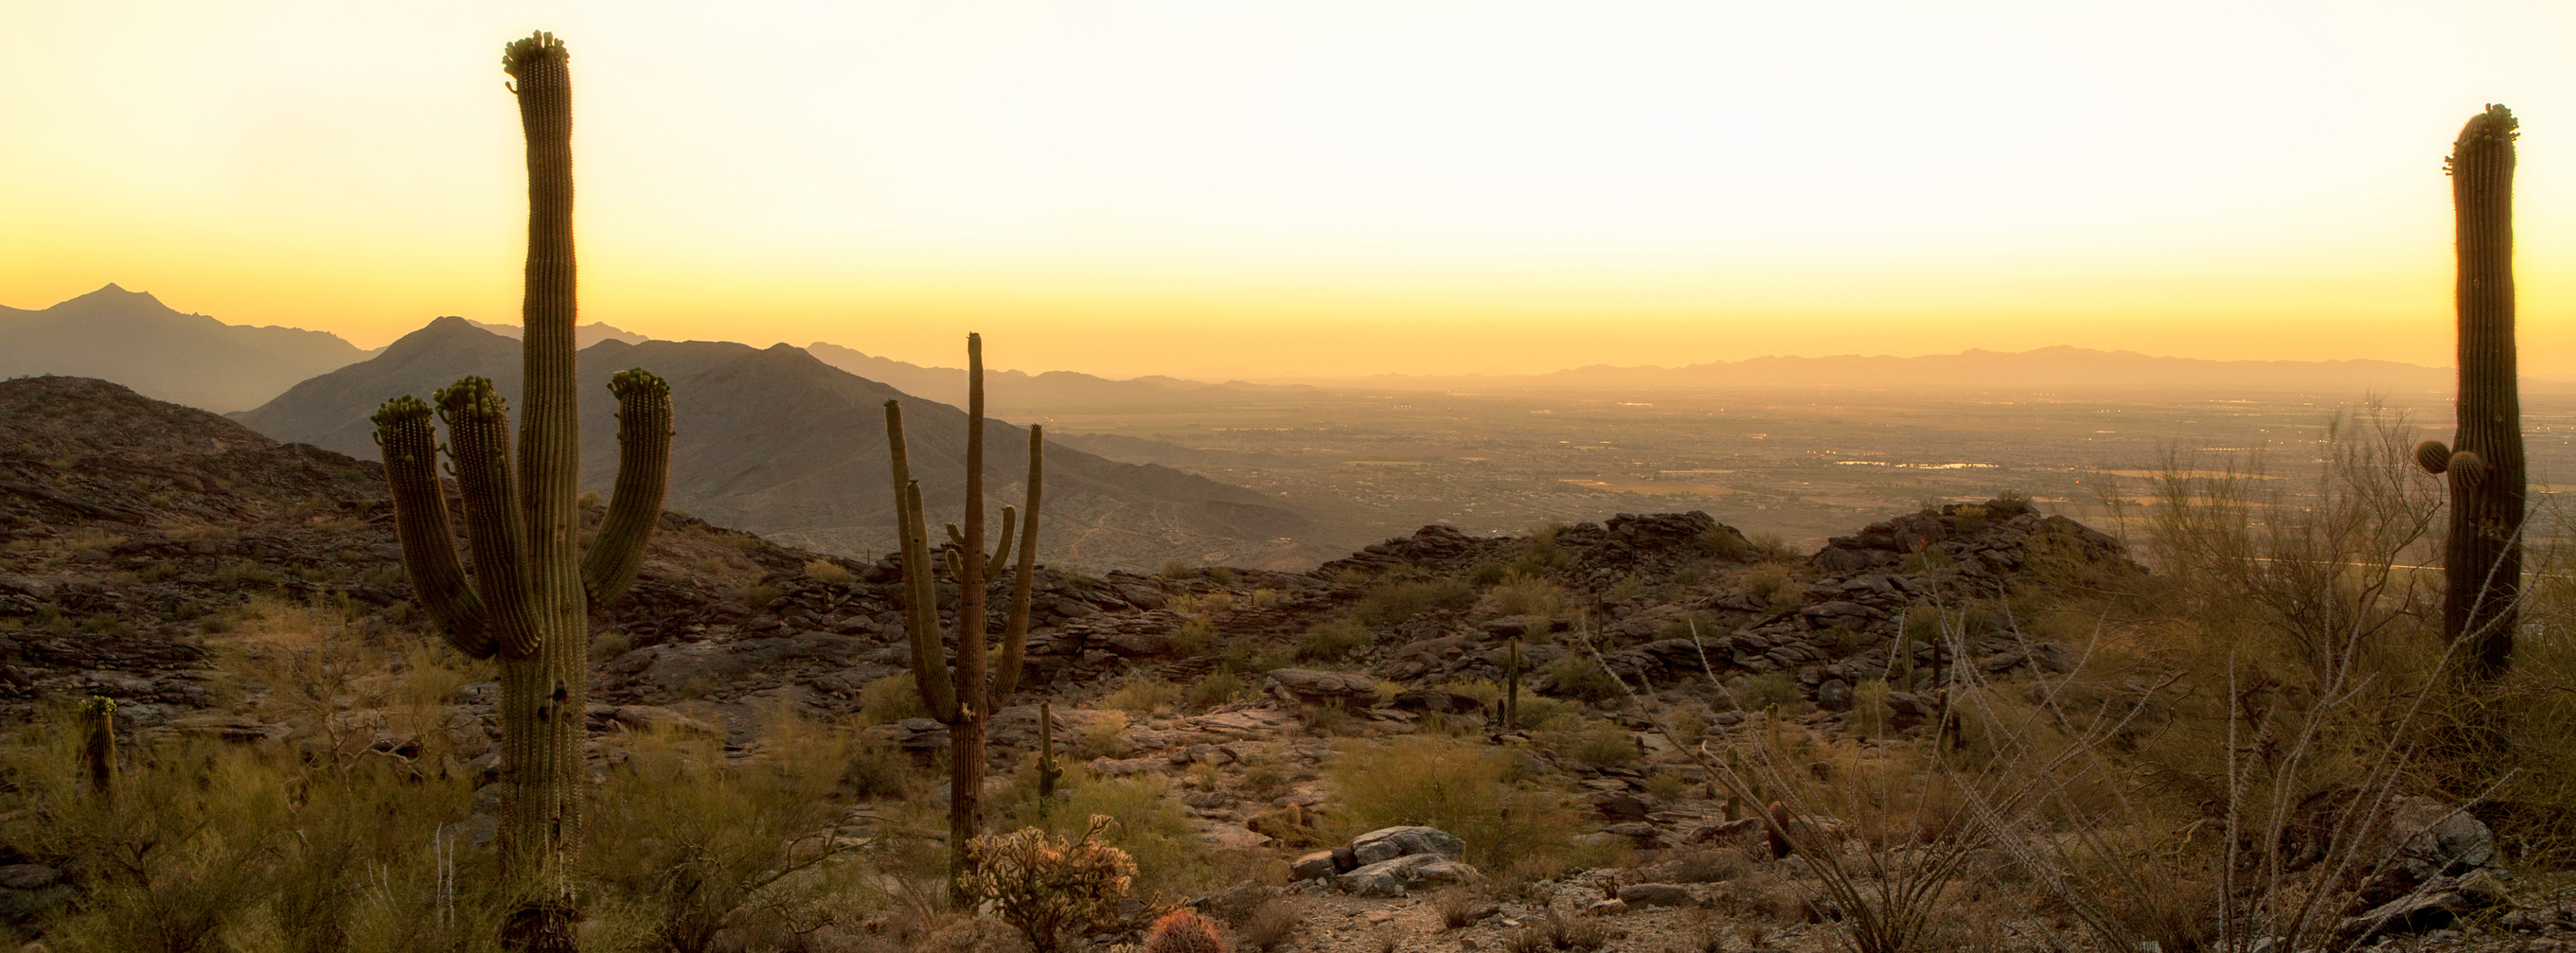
x: 1316, y: 188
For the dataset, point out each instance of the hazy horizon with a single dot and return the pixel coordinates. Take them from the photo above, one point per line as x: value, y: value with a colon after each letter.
x: 1337, y: 190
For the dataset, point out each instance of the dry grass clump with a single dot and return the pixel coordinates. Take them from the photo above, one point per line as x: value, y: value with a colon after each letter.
x: 828, y: 573
x: 1390, y: 603
x: 1143, y: 694
x: 1277, y: 922
x: 1525, y: 595
x: 891, y: 699
x: 1331, y: 640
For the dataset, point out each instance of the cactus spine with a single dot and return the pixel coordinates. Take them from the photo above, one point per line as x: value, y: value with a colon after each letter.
x: 532, y: 589
x: 964, y: 696
x: 98, y: 747
x: 2482, y: 558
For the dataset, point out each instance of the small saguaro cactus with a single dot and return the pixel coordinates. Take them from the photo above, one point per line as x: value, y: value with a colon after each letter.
x: 964, y: 695
x: 98, y: 746
x: 2482, y: 557
x: 532, y: 588
x: 1048, y: 773
x: 1512, y: 685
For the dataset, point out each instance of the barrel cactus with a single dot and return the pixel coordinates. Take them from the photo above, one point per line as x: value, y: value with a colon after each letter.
x: 2483, y: 465
x: 532, y: 587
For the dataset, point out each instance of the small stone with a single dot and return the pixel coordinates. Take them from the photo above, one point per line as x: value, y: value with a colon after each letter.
x: 1313, y: 866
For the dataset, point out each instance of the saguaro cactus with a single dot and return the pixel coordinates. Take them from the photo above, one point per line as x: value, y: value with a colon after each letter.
x: 532, y: 588
x: 2482, y: 559
x: 98, y: 746
x: 963, y: 695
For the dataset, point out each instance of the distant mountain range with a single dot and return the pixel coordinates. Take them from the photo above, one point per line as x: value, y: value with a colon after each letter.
x: 781, y: 444
x: 1017, y: 392
x: 1973, y: 370
x: 582, y: 335
x: 131, y: 338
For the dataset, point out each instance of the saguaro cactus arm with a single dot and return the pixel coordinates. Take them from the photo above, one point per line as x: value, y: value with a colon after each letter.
x: 643, y: 475
x: 410, y: 447
x: 478, y: 435
x: 921, y: 593
x: 1015, y: 634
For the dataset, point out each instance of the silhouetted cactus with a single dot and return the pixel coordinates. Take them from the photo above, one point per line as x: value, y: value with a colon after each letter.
x: 963, y: 696
x: 98, y: 744
x: 2482, y: 558
x: 1512, y: 685
x: 532, y: 591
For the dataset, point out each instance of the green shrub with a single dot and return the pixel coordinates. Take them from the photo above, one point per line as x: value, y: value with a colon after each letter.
x: 1540, y: 555
x: 891, y: 699
x: 1487, y: 575
x: 1726, y: 543
x: 1331, y: 640
x: 1527, y: 595
x: 1773, y: 583
x: 1213, y: 689
x: 1390, y: 603
x: 1768, y: 689
x: 1196, y: 637
x: 1579, y: 677
x: 1171, y: 861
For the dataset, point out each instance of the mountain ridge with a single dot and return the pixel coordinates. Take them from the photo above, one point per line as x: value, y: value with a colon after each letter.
x: 132, y: 338
x: 777, y: 442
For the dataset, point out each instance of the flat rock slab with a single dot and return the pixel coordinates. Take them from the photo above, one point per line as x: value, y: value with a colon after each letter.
x: 1395, y: 878
x: 1389, y: 843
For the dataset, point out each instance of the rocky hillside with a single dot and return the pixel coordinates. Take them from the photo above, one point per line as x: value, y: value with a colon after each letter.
x: 778, y: 443
x: 133, y: 339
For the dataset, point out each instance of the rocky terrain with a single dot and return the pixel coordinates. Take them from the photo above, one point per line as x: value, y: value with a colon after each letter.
x: 132, y: 532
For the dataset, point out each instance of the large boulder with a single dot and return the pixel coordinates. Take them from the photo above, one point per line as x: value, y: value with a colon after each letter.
x: 1314, y: 687
x: 1392, y: 842
x: 1396, y: 876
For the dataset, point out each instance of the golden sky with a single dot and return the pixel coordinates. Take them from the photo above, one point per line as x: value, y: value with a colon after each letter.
x: 1208, y: 187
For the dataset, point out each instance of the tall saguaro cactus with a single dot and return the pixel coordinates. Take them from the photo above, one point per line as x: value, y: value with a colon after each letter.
x: 532, y: 588
x: 2482, y: 560
x: 963, y: 695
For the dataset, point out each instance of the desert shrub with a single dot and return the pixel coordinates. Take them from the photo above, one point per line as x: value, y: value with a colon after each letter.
x: 1142, y: 693
x: 1213, y: 689
x: 1265, y: 774
x: 1767, y: 690
x: 1700, y: 624
x: 1466, y: 789
x: 1390, y: 603
x: 1045, y: 883
x: 878, y: 768
x: 1332, y: 640
x: 1182, y: 931
x: 1196, y: 637
x: 759, y: 595
x: 1579, y: 677
x: 1772, y: 582
x: 706, y: 843
x: 1771, y: 548
x: 1527, y: 595
x: 1597, y: 744
x: 1484, y: 691
x: 1541, y: 712
x: 1726, y: 543
x: 1273, y: 924
x: 1173, y: 569
x: 828, y: 573
x: 1925, y: 559
x: 1706, y: 865
x: 1667, y: 784
x: 1969, y: 518
x: 1487, y: 575
x: 1630, y: 586
x: 890, y: 699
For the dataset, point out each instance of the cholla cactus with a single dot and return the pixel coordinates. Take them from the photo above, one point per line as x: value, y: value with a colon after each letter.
x: 1182, y: 931
x: 1044, y: 884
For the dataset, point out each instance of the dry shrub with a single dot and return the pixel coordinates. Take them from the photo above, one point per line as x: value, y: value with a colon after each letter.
x: 1143, y: 694
x: 1526, y: 595
x: 1276, y: 923
x: 1468, y: 790
x: 828, y: 573
x: 1461, y: 907
x: 891, y: 699
x: 1044, y: 884
x: 705, y: 843
x: 1390, y: 603
x: 1704, y: 865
